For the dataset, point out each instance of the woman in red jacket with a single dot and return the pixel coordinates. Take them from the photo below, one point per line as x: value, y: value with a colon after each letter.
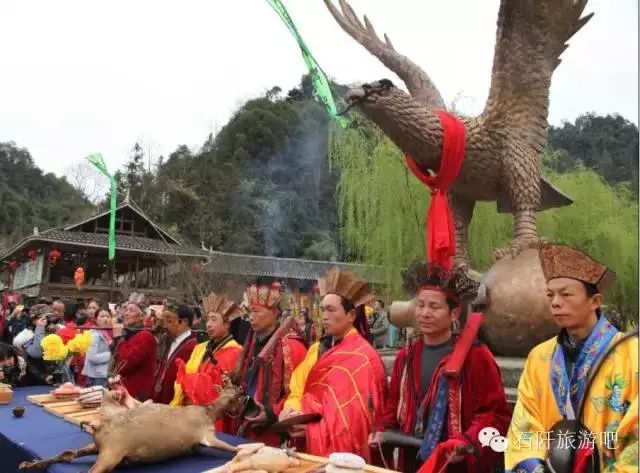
x: 134, y: 353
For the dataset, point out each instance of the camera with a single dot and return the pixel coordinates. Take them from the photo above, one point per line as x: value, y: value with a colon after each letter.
x: 11, y: 374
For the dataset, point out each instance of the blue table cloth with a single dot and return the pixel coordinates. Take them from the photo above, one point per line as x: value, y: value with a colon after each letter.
x: 39, y: 434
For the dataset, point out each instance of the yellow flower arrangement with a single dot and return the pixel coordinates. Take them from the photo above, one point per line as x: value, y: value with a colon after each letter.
x: 53, y: 348
x: 80, y: 343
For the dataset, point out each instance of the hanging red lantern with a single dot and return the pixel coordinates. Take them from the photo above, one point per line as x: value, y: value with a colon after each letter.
x: 32, y: 255
x: 78, y: 278
x: 54, y: 257
x: 13, y: 265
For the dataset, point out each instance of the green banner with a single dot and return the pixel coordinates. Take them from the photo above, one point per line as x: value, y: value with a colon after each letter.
x: 98, y: 161
x: 320, y: 82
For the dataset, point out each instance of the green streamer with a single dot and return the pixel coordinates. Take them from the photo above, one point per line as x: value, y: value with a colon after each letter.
x: 318, y: 77
x: 98, y: 161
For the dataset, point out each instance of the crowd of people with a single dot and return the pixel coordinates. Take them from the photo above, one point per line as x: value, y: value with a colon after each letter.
x: 326, y: 390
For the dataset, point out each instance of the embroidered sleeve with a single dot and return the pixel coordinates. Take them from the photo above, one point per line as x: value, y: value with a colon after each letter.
x: 526, y: 449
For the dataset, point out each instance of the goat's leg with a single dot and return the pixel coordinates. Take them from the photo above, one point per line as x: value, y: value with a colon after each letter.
x: 210, y: 440
x: 66, y: 456
x: 107, y: 461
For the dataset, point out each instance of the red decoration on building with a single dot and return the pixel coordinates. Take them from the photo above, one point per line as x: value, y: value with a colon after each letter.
x: 54, y: 257
x: 32, y: 255
x: 13, y: 265
x: 78, y: 278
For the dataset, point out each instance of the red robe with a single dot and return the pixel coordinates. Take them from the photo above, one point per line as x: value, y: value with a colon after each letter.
x: 135, y: 361
x: 198, y: 381
x: 483, y: 403
x: 272, y: 380
x: 347, y: 386
x: 165, y: 376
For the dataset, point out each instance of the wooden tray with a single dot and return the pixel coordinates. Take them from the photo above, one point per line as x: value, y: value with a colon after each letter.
x: 42, y: 399
x: 69, y: 409
x: 83, y: 416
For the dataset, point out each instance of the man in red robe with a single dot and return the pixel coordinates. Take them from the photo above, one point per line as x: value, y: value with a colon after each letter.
x: 200, y: 381
x: 178, y: 320
x: 272, y: 351
x: 134, y: 354
x: 446, y: 414
x: 342, y: 377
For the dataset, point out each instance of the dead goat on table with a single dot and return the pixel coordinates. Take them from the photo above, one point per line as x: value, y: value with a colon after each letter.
x: 148, y: 432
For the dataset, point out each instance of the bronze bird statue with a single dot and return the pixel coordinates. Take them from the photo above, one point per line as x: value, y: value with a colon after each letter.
x: 504, y: 142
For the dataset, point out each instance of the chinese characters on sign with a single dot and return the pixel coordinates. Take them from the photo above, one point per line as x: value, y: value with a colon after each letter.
x: 567, y: 440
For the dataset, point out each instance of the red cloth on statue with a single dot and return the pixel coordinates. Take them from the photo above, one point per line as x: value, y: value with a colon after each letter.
x: 440, y: 242
x: 347, y: 385
x: 483, y: 403
x: 165, y: 376
x: 135, y: 358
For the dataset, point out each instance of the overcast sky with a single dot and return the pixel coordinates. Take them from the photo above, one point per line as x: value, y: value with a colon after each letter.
x: 83, y: 76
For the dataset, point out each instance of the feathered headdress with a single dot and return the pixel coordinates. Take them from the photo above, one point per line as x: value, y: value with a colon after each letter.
x: 455, y: 283
x: 220, y: 304
x: 561, y: 261
x: 346, y: 285
x: 264, y: 295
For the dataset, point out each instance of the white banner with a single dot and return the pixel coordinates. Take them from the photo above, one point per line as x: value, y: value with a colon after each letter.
x: 29, y: 273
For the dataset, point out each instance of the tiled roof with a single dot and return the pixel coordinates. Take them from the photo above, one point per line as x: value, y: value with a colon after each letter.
x: 284, y: 267
x: 218, y: 262
x: 100, y: 240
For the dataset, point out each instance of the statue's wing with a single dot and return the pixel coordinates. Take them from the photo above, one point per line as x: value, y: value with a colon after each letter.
x: 417, y: 81
x: 531, y: 36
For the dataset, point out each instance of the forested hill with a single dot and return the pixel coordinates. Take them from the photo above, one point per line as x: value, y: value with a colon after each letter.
x: 263, y: 185
x: 29, y: 198
x: 606, y: 144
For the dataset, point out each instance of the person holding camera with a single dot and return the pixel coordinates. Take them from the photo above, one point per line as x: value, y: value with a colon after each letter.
x: 12, y: 366
x: 43, y: 322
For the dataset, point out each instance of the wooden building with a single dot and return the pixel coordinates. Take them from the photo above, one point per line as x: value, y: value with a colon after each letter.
x: 148, y: 260
x: 44, y: 264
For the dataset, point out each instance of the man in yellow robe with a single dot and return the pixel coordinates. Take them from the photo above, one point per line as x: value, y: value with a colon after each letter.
x: 558, y: 382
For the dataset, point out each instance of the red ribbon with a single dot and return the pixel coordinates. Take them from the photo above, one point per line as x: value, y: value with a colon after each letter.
x: 440, y: 240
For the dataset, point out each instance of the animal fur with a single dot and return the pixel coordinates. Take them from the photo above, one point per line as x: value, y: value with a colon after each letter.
x: 148, y: 432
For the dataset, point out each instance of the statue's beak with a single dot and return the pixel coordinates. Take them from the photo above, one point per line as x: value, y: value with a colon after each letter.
x: 354, y: 95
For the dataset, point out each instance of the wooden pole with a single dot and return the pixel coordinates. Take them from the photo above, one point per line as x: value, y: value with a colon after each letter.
x: 137, y: 270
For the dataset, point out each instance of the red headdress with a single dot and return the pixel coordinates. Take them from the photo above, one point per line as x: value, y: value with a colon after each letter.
x: 264, y: 295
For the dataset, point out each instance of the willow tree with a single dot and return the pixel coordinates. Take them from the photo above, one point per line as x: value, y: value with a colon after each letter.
x: 382, y: 210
